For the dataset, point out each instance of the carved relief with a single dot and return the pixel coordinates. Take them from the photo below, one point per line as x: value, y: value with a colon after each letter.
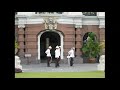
x: 50, y: 23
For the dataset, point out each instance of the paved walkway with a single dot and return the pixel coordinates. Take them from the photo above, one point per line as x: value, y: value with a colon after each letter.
x: 63, y: 68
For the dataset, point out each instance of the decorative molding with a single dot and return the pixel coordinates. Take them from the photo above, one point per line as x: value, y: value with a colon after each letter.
x: 90, y: 20
x: 100, y: 13
x: 101, y: 26
x: 75, y: 13
x: 77, y: 22
x: 78, y: 26
x: 21, y: 22
x: 101, y: 21
x: 50, y: 23
x: 21, y: 26
x: 34, y: 21
x: 64, y: 19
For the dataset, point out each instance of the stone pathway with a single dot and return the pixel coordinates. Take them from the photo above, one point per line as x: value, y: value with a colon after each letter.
x: 63, y: 68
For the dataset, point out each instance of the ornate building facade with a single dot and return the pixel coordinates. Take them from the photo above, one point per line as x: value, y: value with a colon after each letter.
x: 35, y: 31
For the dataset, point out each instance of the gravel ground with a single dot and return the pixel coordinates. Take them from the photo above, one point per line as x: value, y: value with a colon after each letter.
x: 63, y: 68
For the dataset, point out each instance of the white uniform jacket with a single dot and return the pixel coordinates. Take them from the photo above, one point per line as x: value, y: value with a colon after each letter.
x: 71, y: 53
x: 48, y: 53
x: 57, y: 53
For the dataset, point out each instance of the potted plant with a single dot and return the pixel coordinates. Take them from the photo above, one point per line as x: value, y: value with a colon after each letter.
x: 91, y: 49
x: 16, y: 47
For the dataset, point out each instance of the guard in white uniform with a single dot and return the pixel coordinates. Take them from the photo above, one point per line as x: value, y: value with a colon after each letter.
x: 60, y: 55
x: 48, y: 55
x: 71, y: 55
x: 57, y: 56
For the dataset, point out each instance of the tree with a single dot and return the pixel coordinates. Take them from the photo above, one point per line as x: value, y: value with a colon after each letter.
x: 91, y: 48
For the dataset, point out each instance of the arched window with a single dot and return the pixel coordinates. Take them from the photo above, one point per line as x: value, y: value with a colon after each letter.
x: 90, y: 13
x: 91, y: 35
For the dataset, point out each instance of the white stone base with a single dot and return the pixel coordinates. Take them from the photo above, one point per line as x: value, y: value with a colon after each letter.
x: 101, y: 65
x: 17, y: 62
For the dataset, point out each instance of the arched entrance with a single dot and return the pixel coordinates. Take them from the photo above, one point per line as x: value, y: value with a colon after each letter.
x: 46, y: 38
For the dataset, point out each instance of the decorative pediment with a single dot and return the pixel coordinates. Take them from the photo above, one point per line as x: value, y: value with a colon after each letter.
x: 50, y: 23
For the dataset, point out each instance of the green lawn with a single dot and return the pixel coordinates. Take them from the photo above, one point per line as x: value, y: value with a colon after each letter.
x: 93, y: 74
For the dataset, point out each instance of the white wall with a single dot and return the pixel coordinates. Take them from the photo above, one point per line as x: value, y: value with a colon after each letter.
x: 25, y: 13
x: 74, y: 13
x: 100, y: 13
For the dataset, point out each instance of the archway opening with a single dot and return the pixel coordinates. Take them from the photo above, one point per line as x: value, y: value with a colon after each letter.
x: 48, y: 39
x: 86, y: 36
x: 91, y: 34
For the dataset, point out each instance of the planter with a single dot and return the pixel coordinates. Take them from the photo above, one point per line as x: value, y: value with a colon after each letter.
x: 85, y: 59
x: 16, y: 50
x: 92, y: 60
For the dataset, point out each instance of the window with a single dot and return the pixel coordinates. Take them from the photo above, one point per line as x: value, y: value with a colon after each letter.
x: 90, y: 13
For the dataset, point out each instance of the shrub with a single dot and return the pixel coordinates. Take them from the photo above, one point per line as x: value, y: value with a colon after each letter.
x: 16, y: 44
x: 91, y: 48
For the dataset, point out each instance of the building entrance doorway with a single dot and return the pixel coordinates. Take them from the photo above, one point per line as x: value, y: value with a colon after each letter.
x: 48, y: 39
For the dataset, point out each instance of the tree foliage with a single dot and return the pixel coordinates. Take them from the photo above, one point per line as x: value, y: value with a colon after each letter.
x: 16, y: 44
x: 91, y: 48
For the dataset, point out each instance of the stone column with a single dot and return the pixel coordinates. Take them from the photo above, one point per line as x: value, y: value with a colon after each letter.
x: 21, y: 40
x: 16, y: 33
x: 78, y: 40
x: 102, y: 34
x: 78, y: 25
x: 69, y: 39
x: 78, y: 45
x: 101, y: 17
